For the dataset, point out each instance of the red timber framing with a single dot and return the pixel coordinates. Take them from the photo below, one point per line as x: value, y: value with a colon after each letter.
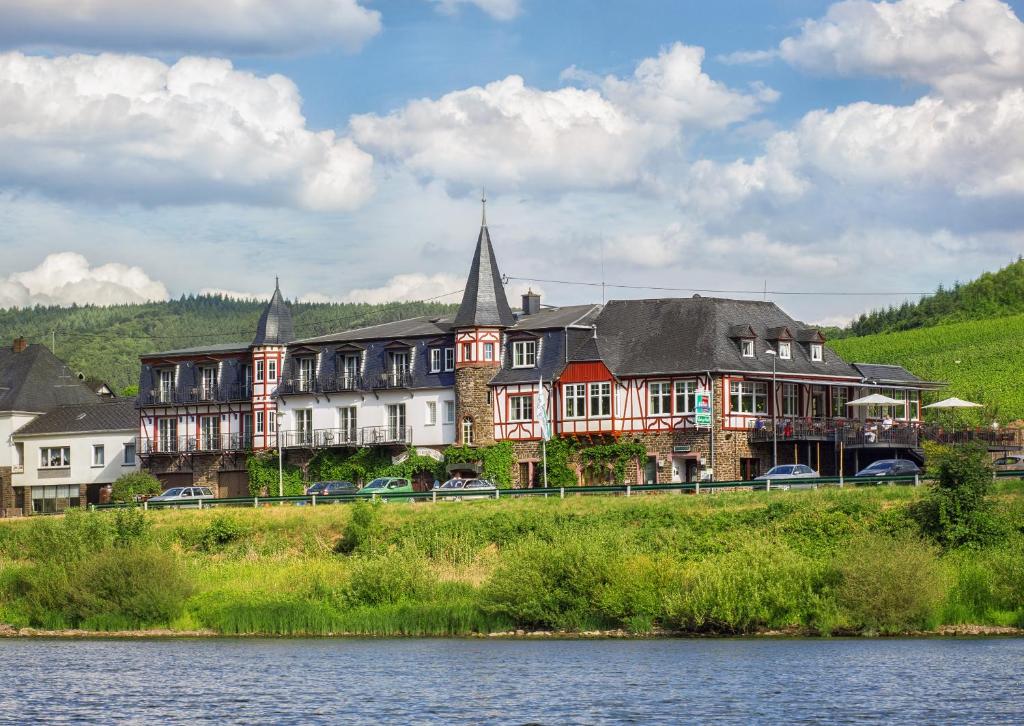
x: 589, y: 382
x: 478, y: 348
x: 267, y: 364
x: 637, y: 414
x: 504, y: 427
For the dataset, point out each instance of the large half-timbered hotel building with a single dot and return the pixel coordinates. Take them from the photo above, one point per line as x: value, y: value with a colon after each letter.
x: 625, y: 370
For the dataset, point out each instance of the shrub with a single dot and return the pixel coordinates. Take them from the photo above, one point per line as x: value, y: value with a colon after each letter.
x: 364, y: 532
x: 639, y: 590
x: 138, y: 586
x: 138, y: 483
x: 131, y: 526
x: 69, y: 538
x: 889, y: 585
x: 552, y: 584
x: 760, y: 584
x: 396, y: 577
x: 955, y: 511
x: 223, y: 529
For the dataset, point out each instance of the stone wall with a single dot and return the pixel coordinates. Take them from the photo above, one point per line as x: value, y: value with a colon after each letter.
x: 471, y: 399
x: 205, y: 468
x: 6, y: 492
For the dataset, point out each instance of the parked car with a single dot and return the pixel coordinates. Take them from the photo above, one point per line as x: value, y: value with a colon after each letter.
x: 1012, y: 462
x: 788, y: 471
x: 477, y: 487
x: 387, y: 485
x: 332, y: 488
x: 185, y: 495
x: 890, y: 467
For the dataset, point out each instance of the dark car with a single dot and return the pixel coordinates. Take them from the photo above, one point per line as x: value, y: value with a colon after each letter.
x: 890, y: 467
x: 332, y: 488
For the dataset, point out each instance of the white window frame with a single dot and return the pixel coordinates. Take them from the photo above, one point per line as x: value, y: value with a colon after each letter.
x: 817, y: 352
x: 449, y: 361
x: 307, y: 370
x: 749, y: 392
x: 431, y: 413
x: 209, y: 432
x: 790, y: 399
x: 660, y: 391
x: 576, y: 393
x: 208, y: 381
x: 524, y: 353
x: 785, y: 350
x: 348, y: 421
x: 128, y: 455
x: 467, y: 430
x: 518, y: 403
x: 747, y: 347
x: 488, y: 351
x: 688, y: 391
x: 46, y: 456
x: 449, y: 412
x: 271, y: 370
x: 467, y: 352
x: 435, y: 360
x: 260, y: 366
x: 101, y: 460
x: 260, y: 419
x: 167, y: 433
x: 601, y: 394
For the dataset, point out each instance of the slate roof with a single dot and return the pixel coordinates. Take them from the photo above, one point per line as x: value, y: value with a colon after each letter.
x: 117, y: 415
x: 200, y: 349
x: 689, y: 335
x: 891, y: 374
x: 36, y: 380
x: 484, y: 303
x: 275, y: 325
x: 557, y: 317
x: 410, y: 328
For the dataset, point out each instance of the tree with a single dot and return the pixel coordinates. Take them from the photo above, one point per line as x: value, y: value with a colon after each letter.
x: 956, y: 510
x: 138, y: 483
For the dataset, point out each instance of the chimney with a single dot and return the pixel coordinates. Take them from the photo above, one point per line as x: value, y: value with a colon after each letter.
x: 531, y: 303
x: 19, y: 344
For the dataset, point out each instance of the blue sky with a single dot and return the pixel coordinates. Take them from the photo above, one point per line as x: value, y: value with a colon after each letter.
x: 341, y: 144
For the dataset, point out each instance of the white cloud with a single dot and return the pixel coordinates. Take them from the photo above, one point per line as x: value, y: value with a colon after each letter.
x: 411, y: 286
x: 497, y: 9
x: 963, y: 48
x: 510, y: 135
x: 129, y: 128
x: 64, y: 278
x: 205, y: 26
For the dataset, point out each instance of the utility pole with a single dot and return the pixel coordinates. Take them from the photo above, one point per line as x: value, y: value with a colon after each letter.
x: 775, y: 412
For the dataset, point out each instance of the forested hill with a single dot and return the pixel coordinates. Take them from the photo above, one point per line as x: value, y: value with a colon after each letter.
x: 105, y: 342
x: 994, y: 294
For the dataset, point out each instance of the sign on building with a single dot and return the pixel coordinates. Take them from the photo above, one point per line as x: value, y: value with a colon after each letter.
x: 702, y: 409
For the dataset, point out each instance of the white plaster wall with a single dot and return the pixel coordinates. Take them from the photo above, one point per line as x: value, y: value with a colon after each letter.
x: 81, y: 470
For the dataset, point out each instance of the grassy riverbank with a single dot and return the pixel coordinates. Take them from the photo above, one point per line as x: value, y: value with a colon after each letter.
x: 827, y: 561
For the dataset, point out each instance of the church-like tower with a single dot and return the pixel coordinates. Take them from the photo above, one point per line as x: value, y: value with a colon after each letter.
x: 478, y: 325
x: 273, y: 332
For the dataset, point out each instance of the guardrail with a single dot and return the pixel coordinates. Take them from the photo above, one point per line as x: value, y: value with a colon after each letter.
x: 561, y: 492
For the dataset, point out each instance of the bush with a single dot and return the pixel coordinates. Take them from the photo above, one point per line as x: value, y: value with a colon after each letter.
x: 760, y: 584
x: 955, y: 511
x: 552, y: 584
x: 399, y: 576
x: 364, y: 532
x: 138, y: 483
x: 67, y: 539
x: 889, y: 585
x: 131, y: 526
x: 223, y: 529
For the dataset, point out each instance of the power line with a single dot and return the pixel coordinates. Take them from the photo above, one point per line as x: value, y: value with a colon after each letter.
x: 709, y: 290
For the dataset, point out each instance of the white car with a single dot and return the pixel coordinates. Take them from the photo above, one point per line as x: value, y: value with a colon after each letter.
x: 469, y: 486
x: 786, y: 473
x: 185, y: 495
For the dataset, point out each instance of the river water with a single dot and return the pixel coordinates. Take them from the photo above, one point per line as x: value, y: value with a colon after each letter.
x: 512, y: 681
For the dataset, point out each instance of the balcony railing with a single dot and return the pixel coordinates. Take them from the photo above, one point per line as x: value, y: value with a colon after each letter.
x: 196, y: 444
x: 342, y: 382
x: 394, y: 378
x: 300, y: 384
x: 365, y: 436
x: 196, y: 394
x: 853, y: 433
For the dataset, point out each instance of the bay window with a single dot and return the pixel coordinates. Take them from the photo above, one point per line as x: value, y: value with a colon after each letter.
x: 575, y: 400
x: 600, y: 400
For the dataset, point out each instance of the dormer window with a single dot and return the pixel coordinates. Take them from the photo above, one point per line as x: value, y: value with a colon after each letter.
x: 435, y: 360
x: 747, y: 346
x: 817, y: 352
x: 785, y: 350
x: 524, y: 354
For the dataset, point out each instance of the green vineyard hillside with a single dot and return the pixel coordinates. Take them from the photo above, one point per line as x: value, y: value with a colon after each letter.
x: 982, y: 360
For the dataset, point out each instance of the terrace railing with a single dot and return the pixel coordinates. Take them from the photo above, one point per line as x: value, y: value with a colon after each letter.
x: 220, y: 393
x: 340, y: 382
x: 394, y: 378
x: 195, y: 444
x: 385, y: 435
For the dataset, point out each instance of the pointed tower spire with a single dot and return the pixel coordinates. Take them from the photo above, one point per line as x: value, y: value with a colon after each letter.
x: 483, y: 302
x: 275, y: 325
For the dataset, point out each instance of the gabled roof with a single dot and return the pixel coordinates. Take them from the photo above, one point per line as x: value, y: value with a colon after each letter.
x: 119, y: 415
x: 549, y: 318
x: 201, y: 349
x: 36, y: 380
x: 275, y: 325
x: 484, y: 303
x: 882, y: 374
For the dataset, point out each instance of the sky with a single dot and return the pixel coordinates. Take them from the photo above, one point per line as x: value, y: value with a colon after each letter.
x: 833, y: 157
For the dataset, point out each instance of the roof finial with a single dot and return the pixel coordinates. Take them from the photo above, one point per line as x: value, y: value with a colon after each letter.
x: 277, y: 283
x: 483, y: 207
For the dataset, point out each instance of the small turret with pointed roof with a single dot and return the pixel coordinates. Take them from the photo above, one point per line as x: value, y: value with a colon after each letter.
x: 275, y: 326
x: 484, y: 304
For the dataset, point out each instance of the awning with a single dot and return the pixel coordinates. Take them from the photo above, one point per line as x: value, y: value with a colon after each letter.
x: 876, y: 399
